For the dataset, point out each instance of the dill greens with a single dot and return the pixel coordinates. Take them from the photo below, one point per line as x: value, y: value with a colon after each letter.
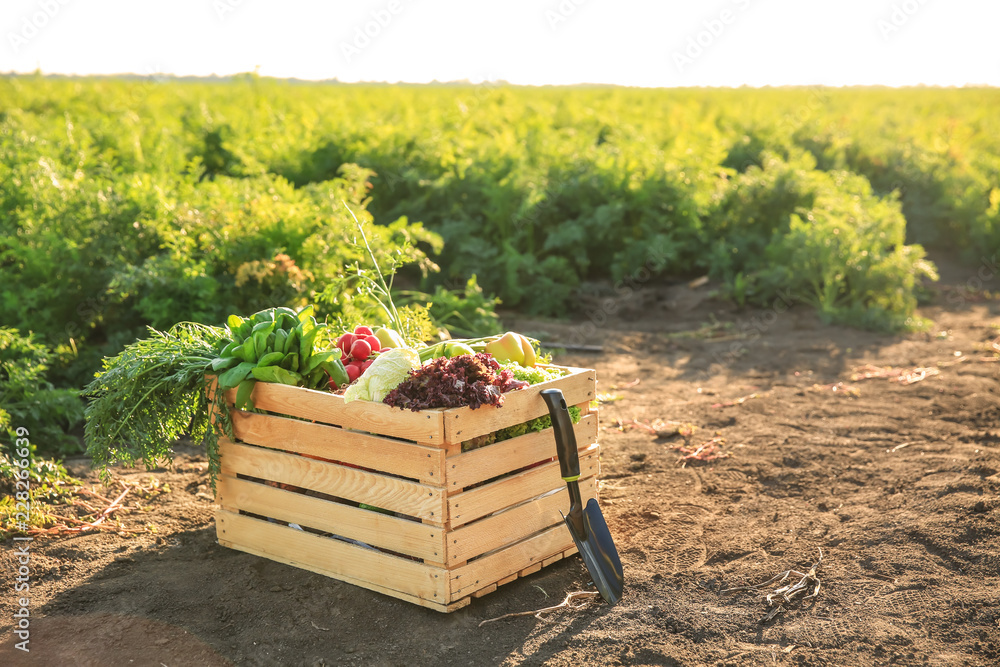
x: 154, y: 392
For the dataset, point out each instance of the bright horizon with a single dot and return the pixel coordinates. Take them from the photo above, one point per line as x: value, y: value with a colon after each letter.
x: 560, y: 42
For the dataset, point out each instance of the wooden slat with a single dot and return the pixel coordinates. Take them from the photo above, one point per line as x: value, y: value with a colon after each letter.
x: 484, y: 591
x: 398, y: 495
x: 424, y: 426
x: 471, y: 505
x: 515, y: 524
x: 554, y: 559
x: 380, y: 530
x: 398, y: 577
x: 487, y: 462
x: 395, y: 457
x: 516, y: 558
x: 507, y: 580
x: 519, y: 406
x: 531, y: 569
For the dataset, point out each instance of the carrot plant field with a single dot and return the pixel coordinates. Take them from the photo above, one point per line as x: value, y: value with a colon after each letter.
x: 134, y: 202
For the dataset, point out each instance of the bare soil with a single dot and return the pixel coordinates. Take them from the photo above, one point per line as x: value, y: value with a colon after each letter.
x: 896, y: 483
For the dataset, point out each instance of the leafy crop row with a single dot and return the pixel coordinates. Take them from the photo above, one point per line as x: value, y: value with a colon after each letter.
x: 134, y: 202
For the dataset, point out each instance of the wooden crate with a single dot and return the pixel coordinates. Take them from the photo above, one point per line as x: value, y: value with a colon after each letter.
x: 474, y: 520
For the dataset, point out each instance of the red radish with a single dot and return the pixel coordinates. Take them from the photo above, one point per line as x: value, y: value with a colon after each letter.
x: 345, y: 342
x: 344, y: 357
x: 375, y: 343
x: 333, y: 383
x: 361, y: 330
x: 366, y: 364
x: 361, y: 350
x: 353, y: 372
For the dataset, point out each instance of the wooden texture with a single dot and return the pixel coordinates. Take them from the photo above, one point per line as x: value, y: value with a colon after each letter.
x: 391, y: 493
x: 516, y: 523
x: 517, y: 558
x: 554, y: 559
x: 507, y: 580
x: 398, y: 577
x: 484, y: 591
x: 462, y: 424
x: 488, y: 462
x: 321, y: 406
x: 379, y: 530
x: 395, y: 457
x: 531, y: 569
x: 475, y: 503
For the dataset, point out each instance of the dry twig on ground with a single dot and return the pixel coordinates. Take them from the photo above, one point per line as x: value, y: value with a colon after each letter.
x: 67, y: 525
x: 782, y: 598
x: 705, y: 452
x: 738, y: 401
x: 587, y: 596
x: 839, y: 388
x: 900, y: 375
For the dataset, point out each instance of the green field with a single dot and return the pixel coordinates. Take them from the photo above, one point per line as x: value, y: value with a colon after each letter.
x: 126, y: 203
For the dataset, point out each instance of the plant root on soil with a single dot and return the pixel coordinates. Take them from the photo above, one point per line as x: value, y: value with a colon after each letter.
x: 62, y: 527
x: 781, y: 599
x: 705, y: 453
x: 587, y: 596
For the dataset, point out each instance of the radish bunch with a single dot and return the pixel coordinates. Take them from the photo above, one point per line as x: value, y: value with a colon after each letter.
x: 357, y: 350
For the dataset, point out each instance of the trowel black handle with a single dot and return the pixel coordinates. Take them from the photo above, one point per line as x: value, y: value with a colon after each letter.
x: 569, y: 458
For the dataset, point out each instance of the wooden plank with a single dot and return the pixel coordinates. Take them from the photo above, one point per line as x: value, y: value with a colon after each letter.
x: 321, y: 406
x: 519, y: 406
x: 507, y: 580
x: 531, y: 569
x: 379, y: 530
x: 554, y: 559
x: 515, y: 524
x: 475, y: 503
x: 394, y: 457
x: 391, y: 493
x: 490, y: 461
x: 326, y: 555
x: 515, y: 559
x: 484, y: 591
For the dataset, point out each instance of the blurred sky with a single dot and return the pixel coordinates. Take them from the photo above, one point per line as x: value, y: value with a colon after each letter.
x: 667, y: 43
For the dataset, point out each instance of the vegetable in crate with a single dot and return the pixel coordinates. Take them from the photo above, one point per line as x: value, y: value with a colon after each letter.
x: 511, y: 347
x: 535, y: 375
x: 359, y: 349
x: 156, y: 390
x: 468, y: 380
x: 276, y: 345
x: 151, y: 394
x: 385, y: 373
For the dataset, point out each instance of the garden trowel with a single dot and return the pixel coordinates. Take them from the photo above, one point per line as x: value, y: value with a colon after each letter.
x: 586, y: 524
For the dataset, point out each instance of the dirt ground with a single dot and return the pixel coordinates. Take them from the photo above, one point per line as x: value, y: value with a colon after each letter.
x: 895, y: 481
